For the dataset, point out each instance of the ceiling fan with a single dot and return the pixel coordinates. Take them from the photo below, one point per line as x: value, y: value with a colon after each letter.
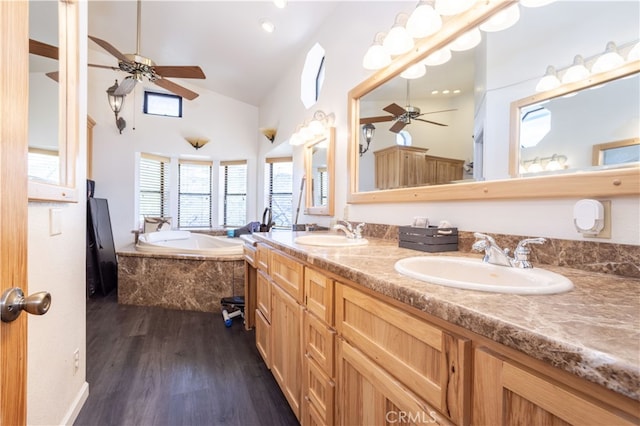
x: 402, y: 116
x: 139, y: 66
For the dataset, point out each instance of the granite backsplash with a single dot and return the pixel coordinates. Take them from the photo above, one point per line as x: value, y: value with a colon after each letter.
x: 616, y: 259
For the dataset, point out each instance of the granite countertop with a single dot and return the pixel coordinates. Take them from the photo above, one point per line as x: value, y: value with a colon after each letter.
x: 591, y: 331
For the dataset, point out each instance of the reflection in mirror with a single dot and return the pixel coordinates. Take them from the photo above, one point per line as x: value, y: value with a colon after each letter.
x: 469, y: 99
x: 44, y: 114
x: 556, y: 133
x: 319, y: 171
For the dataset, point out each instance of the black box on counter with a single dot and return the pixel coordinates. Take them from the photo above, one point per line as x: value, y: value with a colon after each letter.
x: 431, y: 239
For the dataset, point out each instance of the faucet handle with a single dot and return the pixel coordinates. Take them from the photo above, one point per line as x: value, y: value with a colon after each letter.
x: 486, y: 237
x: 521, y: 253
x: 358, y: 230
x: 347, y: 224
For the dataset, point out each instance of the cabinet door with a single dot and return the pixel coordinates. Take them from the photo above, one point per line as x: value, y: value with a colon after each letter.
x: 262, y: 257
x: 286, y: 345
x: 368, y: 395
x: 319, y: 390
x: 263, y: 338
x: 433, y: 363
x: 318, y: 295
x: 505, y: 392
x: 288, y: 274
x: 263, y: 295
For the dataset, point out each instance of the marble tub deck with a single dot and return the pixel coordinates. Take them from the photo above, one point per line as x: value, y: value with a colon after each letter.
x: 184, y: 282
x: 591, y: 331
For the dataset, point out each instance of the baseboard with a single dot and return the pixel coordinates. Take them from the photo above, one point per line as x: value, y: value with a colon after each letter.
x: 77, y: 404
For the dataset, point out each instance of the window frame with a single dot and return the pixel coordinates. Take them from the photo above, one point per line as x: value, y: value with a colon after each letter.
x: 224, y: 194
x: 209, y: 194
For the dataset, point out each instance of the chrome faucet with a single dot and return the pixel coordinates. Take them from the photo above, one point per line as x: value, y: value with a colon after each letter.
x: 349, y: 231
x: 497, y: 256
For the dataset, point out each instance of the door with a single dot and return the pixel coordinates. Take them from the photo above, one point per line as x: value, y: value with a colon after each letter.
x: 14, y: 63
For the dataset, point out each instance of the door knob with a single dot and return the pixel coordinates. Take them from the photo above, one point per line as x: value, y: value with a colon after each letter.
x: 13, y: 302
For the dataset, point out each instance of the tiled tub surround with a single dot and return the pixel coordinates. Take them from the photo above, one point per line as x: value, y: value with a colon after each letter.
x: 591, y: 331
x: 185, y: 282
x: 616, y: 259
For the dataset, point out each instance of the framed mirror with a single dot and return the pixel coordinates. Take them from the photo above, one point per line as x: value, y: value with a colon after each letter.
x: 475, y: 125
x: 53, y: 101
x: 319, y: 167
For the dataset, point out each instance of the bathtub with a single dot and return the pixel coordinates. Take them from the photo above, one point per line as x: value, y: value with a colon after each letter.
x: 185, y: 242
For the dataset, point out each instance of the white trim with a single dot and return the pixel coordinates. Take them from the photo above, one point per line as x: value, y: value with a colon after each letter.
x: 77, y: 404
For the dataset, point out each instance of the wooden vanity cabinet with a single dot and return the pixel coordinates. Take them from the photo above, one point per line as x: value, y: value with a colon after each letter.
x: 250, y: 283
x: 430, y: 365
x: 508, y: 393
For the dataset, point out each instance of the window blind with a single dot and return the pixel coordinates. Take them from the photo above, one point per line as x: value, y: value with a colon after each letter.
x: 44, y: 165
x: 279, y: 179
x: 153, y: 186
x: 235, y: 192
x: 194, y: 194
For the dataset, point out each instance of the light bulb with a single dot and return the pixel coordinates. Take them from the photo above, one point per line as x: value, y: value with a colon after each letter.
x: 376, y: 56
x: 549, y: 81
x: 414, y: 71
x: 535, y: 167
x: 634, y: 54
x: 296, y: 139
x: 424, y: 21
x: 576, y: 72
x: 502, y: 20
x: 609, y: 60
x: 438, y: 57
x: 453, y: 7
x: 466, y: 41
x: 398, y: 40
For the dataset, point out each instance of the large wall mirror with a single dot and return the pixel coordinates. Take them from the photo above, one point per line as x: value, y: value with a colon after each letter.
x: 53, y: 100
x: 320, y: 176
x: 463, y: 144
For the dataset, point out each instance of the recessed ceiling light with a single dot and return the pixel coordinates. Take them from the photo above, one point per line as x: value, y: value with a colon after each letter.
x: 280, y: 3
x: 445, y: 92
x: 456, y: 91
x: 435, y: 92
x: 267, y: 26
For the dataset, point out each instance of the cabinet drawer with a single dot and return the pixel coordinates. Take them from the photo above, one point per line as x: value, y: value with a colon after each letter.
x: 320, y: 391
x: 263, y: 338
x: 319, y: 342
x: 263, y: 295
x: 249, y: 254
x: 262, y: 257
x: 287, y: 273
x: 318, y: 295
x: 424, y: 358
x: 310, y: 416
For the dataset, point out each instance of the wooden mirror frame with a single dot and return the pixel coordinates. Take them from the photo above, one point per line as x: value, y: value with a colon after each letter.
x: 310, y: 208
x: 614, y: 182
x: 66, y: 190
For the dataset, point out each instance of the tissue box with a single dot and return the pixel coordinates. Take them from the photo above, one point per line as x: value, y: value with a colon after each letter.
x: 431, y: 239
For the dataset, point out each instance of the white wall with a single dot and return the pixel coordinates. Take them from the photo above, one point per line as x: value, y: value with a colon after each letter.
x: 539, y: 217
x: 231, y: 126
x: 55, y: 392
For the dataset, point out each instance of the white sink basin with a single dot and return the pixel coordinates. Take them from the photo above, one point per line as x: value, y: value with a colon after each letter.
x: 330, y: 240
x: 473, y: 274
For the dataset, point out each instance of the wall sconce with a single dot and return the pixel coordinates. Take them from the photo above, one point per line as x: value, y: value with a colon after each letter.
x: 197, y: 143
x: 312, y: 129
x: 116, y: 102
x: 368, y: 130
x: 269, y: 133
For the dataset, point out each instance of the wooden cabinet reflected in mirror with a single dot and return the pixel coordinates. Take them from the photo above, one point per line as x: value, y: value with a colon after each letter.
x: 478, y: 129
x: 320, y: 174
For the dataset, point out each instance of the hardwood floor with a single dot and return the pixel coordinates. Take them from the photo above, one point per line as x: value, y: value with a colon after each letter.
x: 152, y: 366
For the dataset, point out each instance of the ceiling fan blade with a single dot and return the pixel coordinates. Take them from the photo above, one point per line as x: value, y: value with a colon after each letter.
x: 431, y: 122
x: 435, y: 112
x: 177, y: 71
x: 53, y: 75
x: 43, y: 49
x: 109, y: 48
x: 378, y: 119
x: 176, y: 88
x: 104, y: 66
x: 394, y: 109
x: 126, y: 86
x: 398, y: 126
